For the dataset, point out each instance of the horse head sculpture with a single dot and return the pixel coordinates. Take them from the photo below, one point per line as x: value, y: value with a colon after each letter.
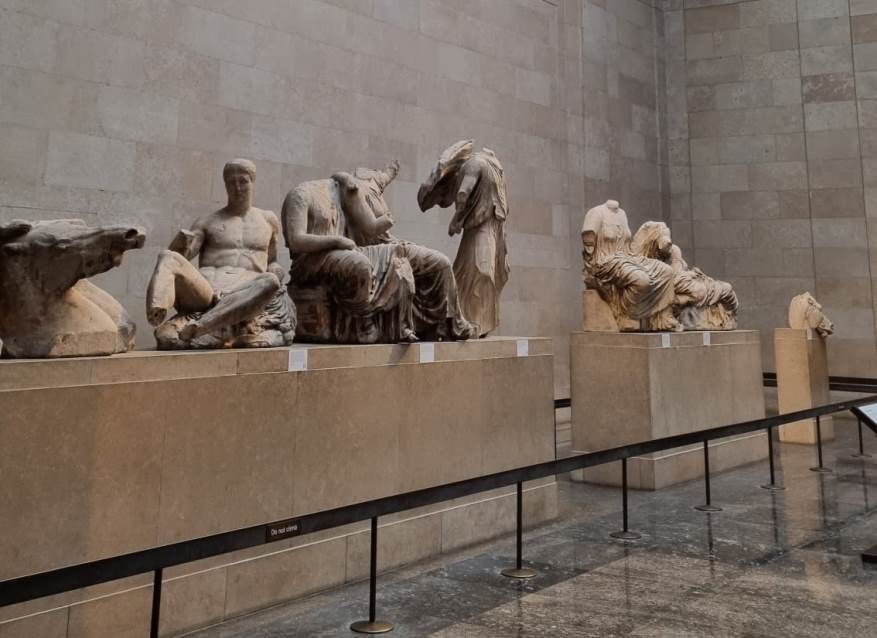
x: 806, y: 312
x: 48, y: 308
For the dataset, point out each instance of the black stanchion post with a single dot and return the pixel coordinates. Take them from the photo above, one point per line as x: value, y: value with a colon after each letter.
x: 861, y: 453
x: 372, y: 626
x: 708, y: 506
x: 156, y: 604
x: 819, y: 468
x: 773, y: 486
x: 625, y: 534
x: 520, y: 572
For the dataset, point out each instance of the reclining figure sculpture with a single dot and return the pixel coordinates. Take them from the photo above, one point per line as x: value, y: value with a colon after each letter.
x: 48, y: 308
x: 644, y: 280
x: 234, y: 298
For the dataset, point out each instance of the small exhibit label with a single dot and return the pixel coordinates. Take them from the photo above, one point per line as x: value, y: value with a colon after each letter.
x: 427, y: 352
x: 298, y: 360
x: 523, y: 347
x: 665, y: 339
x: 281, y: 530
x: 809, y: 334
x: 707, y: 338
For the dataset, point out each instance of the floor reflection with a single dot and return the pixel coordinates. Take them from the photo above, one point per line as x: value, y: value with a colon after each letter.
x: 770, y: 564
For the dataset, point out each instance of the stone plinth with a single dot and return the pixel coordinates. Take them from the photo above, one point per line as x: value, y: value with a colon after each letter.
x: 105, y: 456
x: 802, y: 382
x: 596, y: 313
x: 632, y: 387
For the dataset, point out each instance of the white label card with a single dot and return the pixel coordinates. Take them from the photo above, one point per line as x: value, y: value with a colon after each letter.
x: 809, y: 334
x: 298, y: 360
x: 665, y: 339
x: 427, y: 352
x: 707, y: 338
x: 523, y: 347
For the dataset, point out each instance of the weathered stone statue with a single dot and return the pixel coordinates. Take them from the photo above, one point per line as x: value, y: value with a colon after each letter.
x: 638, y: 290
x: 700, y: 302
x: 48, y: 308
x: 805, y: 312
x: 475, y: 185
x: 234, y: 298
x: 645, y: 282
x: 351, y: 280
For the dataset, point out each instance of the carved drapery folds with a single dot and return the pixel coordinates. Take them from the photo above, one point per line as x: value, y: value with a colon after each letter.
x: 475, y: 185
x: 644, y: 283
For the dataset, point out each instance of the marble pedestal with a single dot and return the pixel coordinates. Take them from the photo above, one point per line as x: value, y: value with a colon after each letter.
x: 633, y: 387
x: 802, y: 382
x: 104, y: 456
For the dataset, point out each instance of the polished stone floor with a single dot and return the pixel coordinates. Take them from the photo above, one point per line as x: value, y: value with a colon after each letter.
x: 770, y: 564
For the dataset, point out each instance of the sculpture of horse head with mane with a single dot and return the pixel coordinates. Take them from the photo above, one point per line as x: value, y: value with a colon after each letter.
x: 48, y: 308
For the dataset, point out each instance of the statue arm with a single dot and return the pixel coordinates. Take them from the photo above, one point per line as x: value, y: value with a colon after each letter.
x: 188, y: 243
x: 387, y: 175
x: 295, y: 228
x: 461, y: 203
x: 590, y: 229
x: 589, y: 243
x: 358, y: 213
x: 273, y: 265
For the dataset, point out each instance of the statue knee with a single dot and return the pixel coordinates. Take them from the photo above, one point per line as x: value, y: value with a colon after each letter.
x: 268, y: 283
x: 640, y: 282
x: 362, y: 270
x: 170, y: 257
x: 443, y: 262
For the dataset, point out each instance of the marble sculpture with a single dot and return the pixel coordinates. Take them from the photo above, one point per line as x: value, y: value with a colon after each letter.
x: 805, y: 312
x: 235, y: 297
x: 48, y: 308
x: 351, y: 280
x: 644, y: 279
x: 474, y: 184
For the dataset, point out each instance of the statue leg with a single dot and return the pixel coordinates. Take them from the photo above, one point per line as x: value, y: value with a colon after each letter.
x: 176, y: 283
x: 241, y: 304
x: 114, y: 310
x: 436, y: 301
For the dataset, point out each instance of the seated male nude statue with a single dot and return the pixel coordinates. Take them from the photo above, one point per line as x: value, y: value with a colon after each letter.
x: 235, y: 297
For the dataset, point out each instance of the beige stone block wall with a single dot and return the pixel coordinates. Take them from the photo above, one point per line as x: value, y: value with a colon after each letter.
x: 126, y: 111
x: 748, y: 124
x: 773, y: 101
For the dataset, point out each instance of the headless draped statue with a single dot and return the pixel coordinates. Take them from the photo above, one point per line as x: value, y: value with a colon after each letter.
x: 353, y: 281
x: 644, y: 280
x: 474, y: 184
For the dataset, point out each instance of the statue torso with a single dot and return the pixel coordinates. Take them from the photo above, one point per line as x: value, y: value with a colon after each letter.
x: 235, y: 247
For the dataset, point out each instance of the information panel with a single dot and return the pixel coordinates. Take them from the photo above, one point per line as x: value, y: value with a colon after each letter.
x: 867, y: 413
